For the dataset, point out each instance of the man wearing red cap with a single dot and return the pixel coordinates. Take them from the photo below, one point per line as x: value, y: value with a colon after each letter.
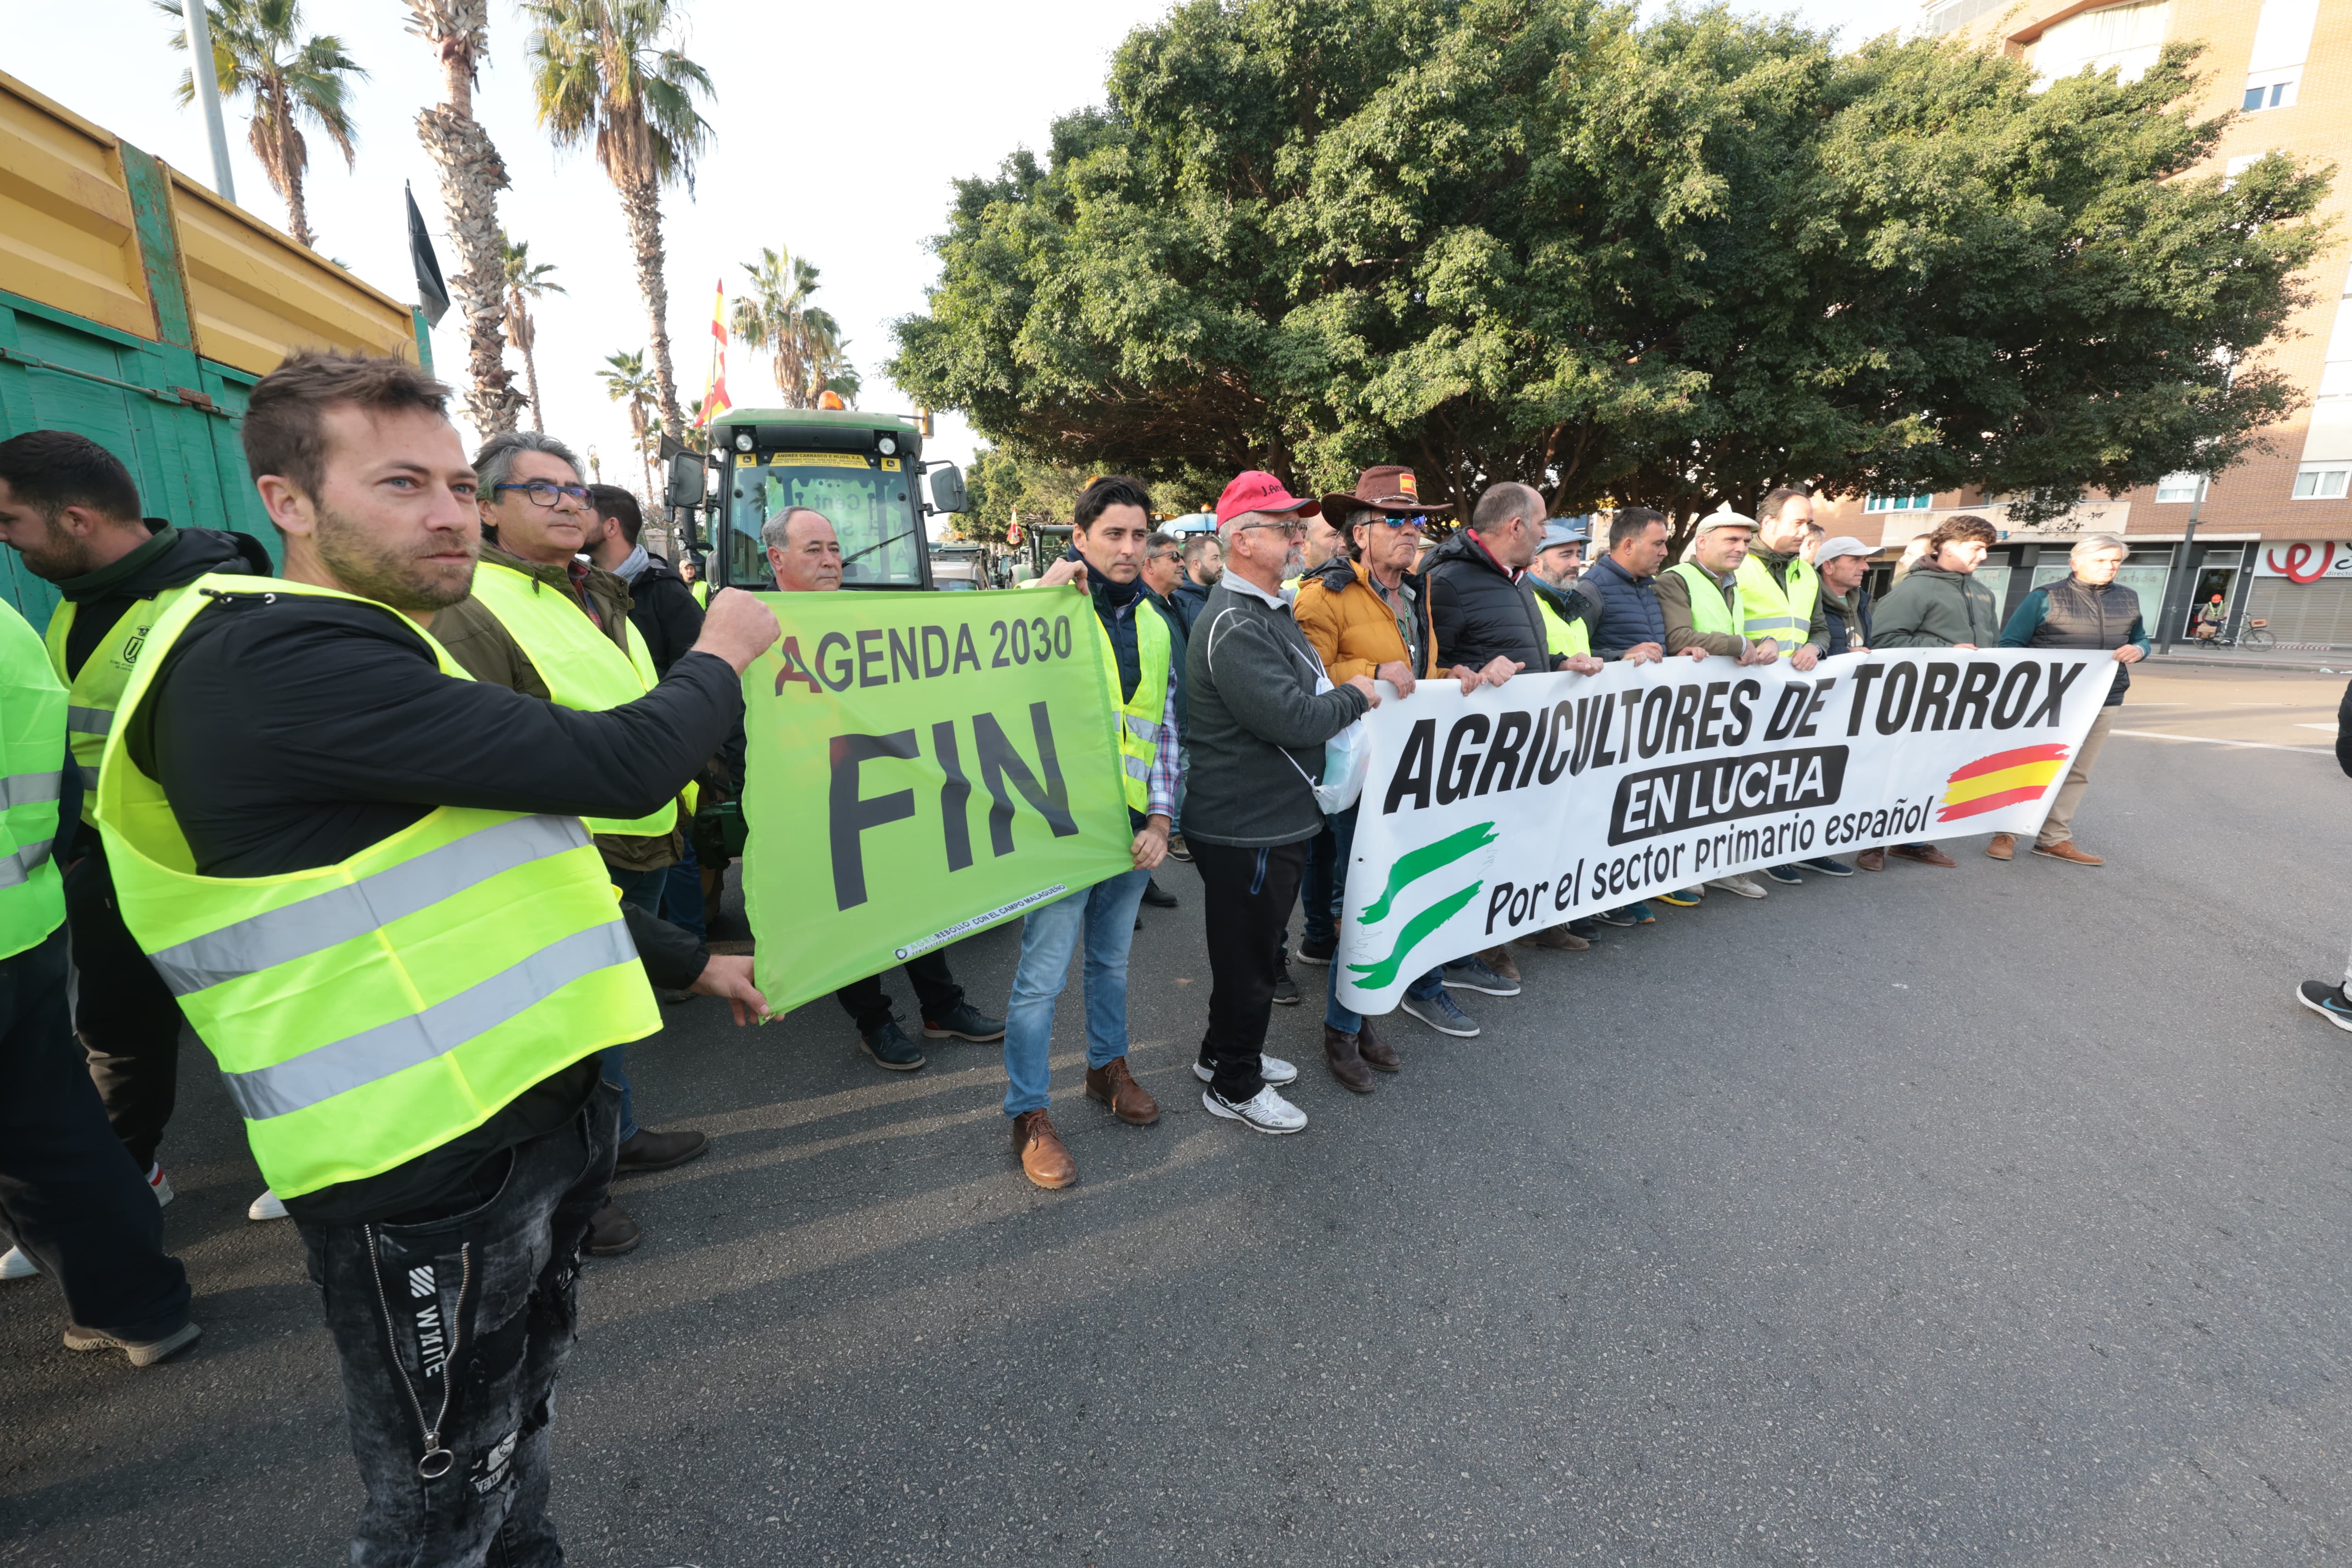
x: 1259, y: 710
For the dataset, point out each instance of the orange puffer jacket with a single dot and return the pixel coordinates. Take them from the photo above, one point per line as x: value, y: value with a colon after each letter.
x: 1352, y: 626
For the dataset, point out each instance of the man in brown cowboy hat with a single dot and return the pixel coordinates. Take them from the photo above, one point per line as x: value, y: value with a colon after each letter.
x: 1367, y: 613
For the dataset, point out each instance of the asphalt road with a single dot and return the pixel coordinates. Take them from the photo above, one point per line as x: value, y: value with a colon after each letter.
x: 1988, y: 1216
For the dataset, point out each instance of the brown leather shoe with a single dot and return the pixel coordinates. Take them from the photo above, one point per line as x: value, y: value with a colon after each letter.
x: 1347, y: 1060
x: 1116, y: 1087
x: 1872, y: 859
x: 1924, y: 854
x: 1500, y: 961
x: 610, y: 1232
x: 1378, y: 1054
x: 2065, y: 850
x: 2003, y: 847
x: 1045, y: 1158
x: 1560, y: 939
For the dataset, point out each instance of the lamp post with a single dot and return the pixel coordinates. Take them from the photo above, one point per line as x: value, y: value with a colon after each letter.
x: 199, y: 67
x: 2187, y: 539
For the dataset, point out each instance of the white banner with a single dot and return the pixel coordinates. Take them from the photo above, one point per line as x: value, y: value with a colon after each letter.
x: 1517, y: 807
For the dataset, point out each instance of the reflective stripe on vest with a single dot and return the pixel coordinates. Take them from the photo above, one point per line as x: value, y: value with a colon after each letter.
x: 1709, y: 613
x: 366, y: 1012
x: 96, y: 687
x: 1768, y: 610
x: 32, y: 775
x: 1568, y: 637
x: 584, y: 671
x: 1139, y: 734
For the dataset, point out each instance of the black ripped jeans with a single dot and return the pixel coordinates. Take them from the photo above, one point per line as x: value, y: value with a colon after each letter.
x: 451, y: 1330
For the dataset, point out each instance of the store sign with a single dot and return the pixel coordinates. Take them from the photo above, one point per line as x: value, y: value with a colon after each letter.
x: 2306, y: 561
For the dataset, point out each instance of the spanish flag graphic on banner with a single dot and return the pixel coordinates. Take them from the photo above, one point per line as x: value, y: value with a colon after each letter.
x: 2005, y: 778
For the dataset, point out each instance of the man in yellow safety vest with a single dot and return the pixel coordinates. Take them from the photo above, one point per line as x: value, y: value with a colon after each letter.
x: 1108, y: 526
x: 1701, y: 601
x: 365, y: 876
x: 546, y: 622
x: 67, y: 1197
x: 69, y: 509
x: 1780, y: 591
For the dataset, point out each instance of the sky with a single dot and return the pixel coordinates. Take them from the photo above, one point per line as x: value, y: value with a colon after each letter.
x: 835, y: 135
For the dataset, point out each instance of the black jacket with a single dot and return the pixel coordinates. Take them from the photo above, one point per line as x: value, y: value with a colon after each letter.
x: 1188, y: 596
x: 1478, y: 613
x: 172, y: 557
x: 662, y: 608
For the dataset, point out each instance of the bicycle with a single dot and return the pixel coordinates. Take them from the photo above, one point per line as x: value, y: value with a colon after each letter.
x: 2255, y: 633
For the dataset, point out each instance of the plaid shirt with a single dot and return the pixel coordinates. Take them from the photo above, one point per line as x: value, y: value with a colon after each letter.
x: 1160, y: 784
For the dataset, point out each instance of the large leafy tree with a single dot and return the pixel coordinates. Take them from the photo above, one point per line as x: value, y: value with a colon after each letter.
x: 604, y: 73
x: 1671, y: 264
x: 472, y: 175
x: 259, y: 51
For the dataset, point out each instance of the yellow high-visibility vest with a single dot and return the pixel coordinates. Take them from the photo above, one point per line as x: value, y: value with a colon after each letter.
x: 1768, y: 610
x: 1709, y: 613
x: 365, y: 1011
x: 584, y: 671
x: 32, y: 775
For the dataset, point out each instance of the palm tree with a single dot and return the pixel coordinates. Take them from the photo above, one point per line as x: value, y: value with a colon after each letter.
x: 627, y: 378
x: 472, y: 175
x: 527, y: 280
x: 805, y: 341
x: 258, y: 51
x: 600, y: 72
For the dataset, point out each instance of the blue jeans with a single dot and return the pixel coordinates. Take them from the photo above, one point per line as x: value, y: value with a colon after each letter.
x: 681, y: 895
x: 1105, y: 914
x: 1320, y: 890
x: 643, y: 888
x: 1340, y: 834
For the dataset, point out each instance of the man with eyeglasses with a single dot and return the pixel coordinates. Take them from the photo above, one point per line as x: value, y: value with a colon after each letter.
x: 805, y: 553
x: 545, y: 622
x: 1162, y: 566
x: 1259, y: 719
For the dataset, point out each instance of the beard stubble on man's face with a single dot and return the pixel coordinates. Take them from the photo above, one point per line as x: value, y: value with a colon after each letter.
x: 404, y: 577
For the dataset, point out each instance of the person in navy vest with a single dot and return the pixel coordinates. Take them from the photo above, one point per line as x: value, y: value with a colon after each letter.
x: 1633, y: 625
x: 2089, y: 609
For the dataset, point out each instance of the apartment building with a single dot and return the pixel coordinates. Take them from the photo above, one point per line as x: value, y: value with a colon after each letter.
x: 2274, y: 535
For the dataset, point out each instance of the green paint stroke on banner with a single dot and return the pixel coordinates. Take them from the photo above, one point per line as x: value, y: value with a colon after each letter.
x: 1421, y: 862
x: 920, y: 766
x: 1376, y: 975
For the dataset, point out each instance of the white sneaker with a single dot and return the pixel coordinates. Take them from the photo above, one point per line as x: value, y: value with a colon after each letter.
x: 1266, y: 1112
x: 159, y: 1184
x: 1273, y: 1069
x: 269, y: 1205
x: 1745, y: 887
x: 17, y: 1264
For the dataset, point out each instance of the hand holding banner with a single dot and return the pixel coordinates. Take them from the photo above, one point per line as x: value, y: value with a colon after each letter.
x: 1516, y: 807
x: 872, y: 726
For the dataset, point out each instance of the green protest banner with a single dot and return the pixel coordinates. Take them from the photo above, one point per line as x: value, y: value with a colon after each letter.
x: 921, y: 765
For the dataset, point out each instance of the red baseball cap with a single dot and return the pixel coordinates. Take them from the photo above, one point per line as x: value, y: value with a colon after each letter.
x: 1258, y: 491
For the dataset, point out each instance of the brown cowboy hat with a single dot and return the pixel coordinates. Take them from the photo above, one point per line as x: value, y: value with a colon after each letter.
x: 1388, y: 488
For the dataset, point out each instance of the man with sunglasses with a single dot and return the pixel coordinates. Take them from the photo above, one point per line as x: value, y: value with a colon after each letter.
x: 545, y: 622
x: 1258, y: 724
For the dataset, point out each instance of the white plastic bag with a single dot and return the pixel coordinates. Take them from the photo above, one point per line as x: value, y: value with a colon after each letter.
x: 1347, y: 758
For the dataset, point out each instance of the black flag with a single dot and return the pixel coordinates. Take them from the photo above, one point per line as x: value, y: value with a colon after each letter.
x: 431, y: 292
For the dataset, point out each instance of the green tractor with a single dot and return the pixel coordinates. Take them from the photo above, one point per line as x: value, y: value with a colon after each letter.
x: 861, y: 470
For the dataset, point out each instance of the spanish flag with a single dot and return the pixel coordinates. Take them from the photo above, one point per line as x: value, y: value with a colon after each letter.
x: 2005, y: 778
x: 715, y: 401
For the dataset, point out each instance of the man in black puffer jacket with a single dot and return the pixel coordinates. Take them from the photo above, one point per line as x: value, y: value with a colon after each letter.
x: 1485, y: 615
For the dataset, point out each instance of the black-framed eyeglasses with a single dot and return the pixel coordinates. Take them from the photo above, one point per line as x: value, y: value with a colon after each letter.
x: 1163, y: 555
x: 542, y: 492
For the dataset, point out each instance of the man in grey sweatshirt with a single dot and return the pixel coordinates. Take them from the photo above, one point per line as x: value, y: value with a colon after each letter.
x: 1257, y: 726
